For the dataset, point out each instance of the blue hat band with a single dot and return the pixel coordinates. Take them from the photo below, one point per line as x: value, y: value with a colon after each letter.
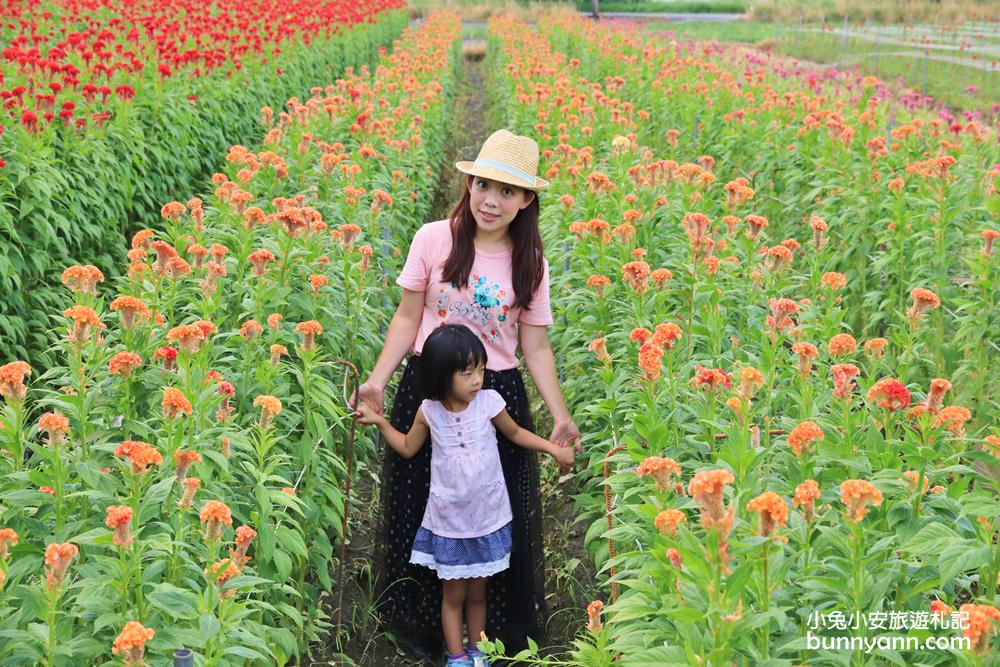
x: 506, y: 168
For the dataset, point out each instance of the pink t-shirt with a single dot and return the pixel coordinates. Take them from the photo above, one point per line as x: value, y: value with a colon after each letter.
x: 484, y: 305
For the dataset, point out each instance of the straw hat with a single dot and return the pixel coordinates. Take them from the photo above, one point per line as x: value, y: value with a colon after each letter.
x: 508, y: 158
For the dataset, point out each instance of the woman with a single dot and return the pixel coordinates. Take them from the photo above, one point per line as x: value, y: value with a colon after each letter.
x: 483, y: 268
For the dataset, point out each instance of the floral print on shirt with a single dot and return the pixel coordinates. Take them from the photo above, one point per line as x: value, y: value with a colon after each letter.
x: 488, y: 310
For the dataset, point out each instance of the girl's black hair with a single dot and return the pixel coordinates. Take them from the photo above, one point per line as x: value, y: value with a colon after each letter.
x: 449, y: 349
x: 527, y: 256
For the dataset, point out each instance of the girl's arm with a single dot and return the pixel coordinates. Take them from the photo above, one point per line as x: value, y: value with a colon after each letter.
x: 525, y: 438
x: 542, y: 367
x: 405, y: 444
x: 398, y: 340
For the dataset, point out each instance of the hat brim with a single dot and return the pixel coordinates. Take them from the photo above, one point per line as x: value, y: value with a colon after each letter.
x: 494, y: 174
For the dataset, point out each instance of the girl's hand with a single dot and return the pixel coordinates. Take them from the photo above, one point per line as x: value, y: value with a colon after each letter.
x: 372, y: 393
x: 366, y: 414
x: 564, y: 457
x: 566, y: 434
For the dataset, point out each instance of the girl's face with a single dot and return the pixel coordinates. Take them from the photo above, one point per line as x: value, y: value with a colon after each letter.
x: 495, y: 204
x: 466, y: 383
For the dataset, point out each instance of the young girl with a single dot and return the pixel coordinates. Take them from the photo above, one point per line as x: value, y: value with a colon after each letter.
x: 465, y: 535
x: 482, y: 267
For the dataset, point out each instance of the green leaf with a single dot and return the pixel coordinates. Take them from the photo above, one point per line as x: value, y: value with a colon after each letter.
x: 931, y: 539
x: 177, y: 603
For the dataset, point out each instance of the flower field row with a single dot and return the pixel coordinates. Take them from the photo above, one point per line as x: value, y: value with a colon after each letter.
x: 777, y: 293
x: 111, y: 108
x: 184, y: 485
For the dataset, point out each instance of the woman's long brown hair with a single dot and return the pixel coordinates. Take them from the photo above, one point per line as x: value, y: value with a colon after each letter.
x: 527, y: 258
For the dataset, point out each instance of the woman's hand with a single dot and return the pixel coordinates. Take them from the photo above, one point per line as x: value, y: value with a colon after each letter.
x: 372, y: 393
x: 566, y: 434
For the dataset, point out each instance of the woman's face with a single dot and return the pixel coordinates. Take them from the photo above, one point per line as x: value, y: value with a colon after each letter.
x: 495, y: 204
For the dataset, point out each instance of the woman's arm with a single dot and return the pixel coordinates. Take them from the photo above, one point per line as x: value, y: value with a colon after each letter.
x: 398, y: 340
x: 525, y: 438
x: 542, y: 367
x: 405, y: 444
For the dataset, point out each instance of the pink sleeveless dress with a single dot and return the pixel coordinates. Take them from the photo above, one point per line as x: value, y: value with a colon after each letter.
x: 466, y: 529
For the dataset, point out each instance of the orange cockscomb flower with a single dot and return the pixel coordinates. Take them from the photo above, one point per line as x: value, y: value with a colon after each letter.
x: 661, y: 277
x: 889, y: 394
x: 856, y: 494
x: 12, y: 377
x: 57, y: 560
x: 989, y: 236
x: 912, y: 477
x: 191, y: 486
x: 666, y: 522
x: 188, y: 337
x: 773, y: 511
x: 309, y: 330
x: 173, y: 210
x: 875, y: 347
x: 650, y: 360
x: 8, y: 539
x: 277, y: 351
x: 780, y: 318
x: 269, y: 408
x: 82, y: 279
x: 599, y: 283
x: 131, y: 643
x: 842, y: 344
x: 131, y: 310
x: 123, y: 364
x: 751, y: 380
x: 923, y: 300
x: 707, y: 488
x: 119, y: 519
x: 140, y: 454
x: 802, y: 436
x: 806, y: 353
x: 214, y: 514
x: 755, y: 225
x: 599, y: 347
x: 318, y: 281
x: 183, y: 460
x: 55, y: 426
x: 834, y: 281
x: 174, y: 403
x: 250, y: 330
x: 667, y: 335
x: 84, y: 320
x: 806, y: 495
x: 984, y: 621
x: 594, y: 616
x: 936, y: 395
x: 953, y: 418
x: 639, y: 335
x: 244, y: 536
x: 636, y: 274
x: 259, y: 259
x: 661, y: 469
x: 712, y: 380
x: 843, y: 375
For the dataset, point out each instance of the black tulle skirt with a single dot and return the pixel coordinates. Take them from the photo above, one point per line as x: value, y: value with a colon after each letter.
x: 410, y: 595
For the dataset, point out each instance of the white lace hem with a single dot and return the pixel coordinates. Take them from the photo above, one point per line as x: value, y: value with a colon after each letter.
x: 471, y: 571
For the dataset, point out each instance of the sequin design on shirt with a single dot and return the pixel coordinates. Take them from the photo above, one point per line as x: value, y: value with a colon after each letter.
x: 488, y: 309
